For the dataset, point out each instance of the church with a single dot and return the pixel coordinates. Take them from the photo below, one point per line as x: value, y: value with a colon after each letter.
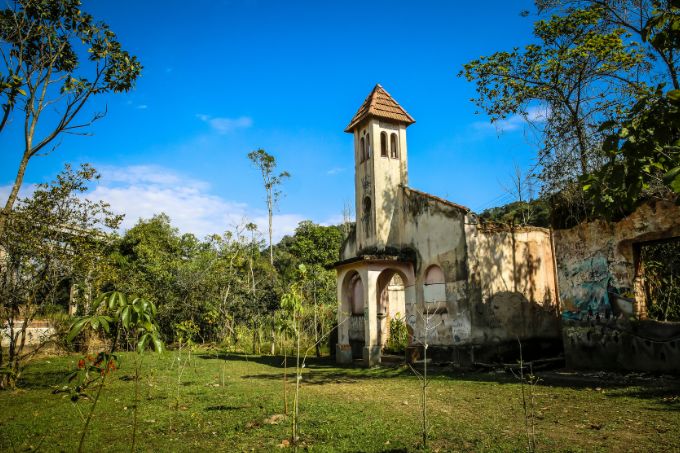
x: 467, y: 291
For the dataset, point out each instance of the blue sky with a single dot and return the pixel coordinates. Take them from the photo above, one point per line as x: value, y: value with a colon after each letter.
x: 222, y: 78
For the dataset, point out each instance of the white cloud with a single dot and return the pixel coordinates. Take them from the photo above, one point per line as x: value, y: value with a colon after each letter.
x: 144, y: 190
x: 140, y: 191
x: 142, y: 107
x: 335, y: 171
x: 25, y: 191
x: 534, y: 114
x: 225, y: 125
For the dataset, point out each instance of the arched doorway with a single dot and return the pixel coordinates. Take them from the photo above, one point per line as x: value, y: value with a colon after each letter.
x: 354, y: 306
x: 391, y: 304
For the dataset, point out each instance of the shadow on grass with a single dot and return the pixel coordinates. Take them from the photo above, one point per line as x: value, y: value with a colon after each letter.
x: 663, y: 393
x: 222, y: 407
x: 43, y: 380
x: 275, y: 361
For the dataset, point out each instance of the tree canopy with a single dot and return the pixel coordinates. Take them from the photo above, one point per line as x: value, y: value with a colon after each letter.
x: 55, y: 58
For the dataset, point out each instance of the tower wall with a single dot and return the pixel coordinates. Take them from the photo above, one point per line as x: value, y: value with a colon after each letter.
x: 379, y: 179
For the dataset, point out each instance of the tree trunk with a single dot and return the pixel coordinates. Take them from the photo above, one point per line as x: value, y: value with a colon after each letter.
x: 270, y: 209
x: 14, y: 193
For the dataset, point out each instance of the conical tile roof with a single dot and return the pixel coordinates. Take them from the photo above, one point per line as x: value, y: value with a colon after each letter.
x: 381, y: 105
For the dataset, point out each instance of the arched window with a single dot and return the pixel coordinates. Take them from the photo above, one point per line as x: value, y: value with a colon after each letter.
x: 361, y: 150
x: 435, y: 284
x: 394, y: 146
x: 383, y: 144
x: 368, y: 146
x: 366, y: 215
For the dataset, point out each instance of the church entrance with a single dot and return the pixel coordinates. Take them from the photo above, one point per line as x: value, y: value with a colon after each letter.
x: 373, y: 295
x: 390, y: 312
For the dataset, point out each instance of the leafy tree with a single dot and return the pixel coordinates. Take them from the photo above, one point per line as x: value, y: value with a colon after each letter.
x: 515, y: 213
x: 644, y: 159
x: 117, y: 315
x: 580, y: 74
x: 650, y: 24
x: 266, y: 163
x: 644, y: 153
x: 49, y: 239
x: 316, y: 247
x: 44, y: 73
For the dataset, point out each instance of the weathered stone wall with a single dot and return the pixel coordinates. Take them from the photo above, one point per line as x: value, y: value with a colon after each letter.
x: 37, y: 332
x: 596, y: 268
x: 597, y: 259
x: 512, y: 284
x: 650, y: 346
x: 435, y: 230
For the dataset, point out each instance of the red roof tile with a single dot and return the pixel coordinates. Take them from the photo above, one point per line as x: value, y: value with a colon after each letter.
x: 381, y: 105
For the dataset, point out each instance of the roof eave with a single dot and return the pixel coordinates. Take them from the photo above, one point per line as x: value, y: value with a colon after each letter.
x: 354, y: 124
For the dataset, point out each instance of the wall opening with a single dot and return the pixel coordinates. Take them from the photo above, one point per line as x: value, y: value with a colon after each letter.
x: 366, y: 215
x: 392, y: 333
x: 362, y: 149
x: 355, y: 299
x: 394, y: 146
x: 383, y: 144
x: 658, y: 279
x: 368, y: 146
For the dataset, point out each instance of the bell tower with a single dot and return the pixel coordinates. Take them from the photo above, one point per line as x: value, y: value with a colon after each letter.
x: 380, y: 167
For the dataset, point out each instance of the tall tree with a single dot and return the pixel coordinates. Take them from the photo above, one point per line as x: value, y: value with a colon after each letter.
x: 266, y: 163
x: 43, y: 44
x: 580, y: 73
x: 49, y: 239
x: 643, y: 155
x: 649, y: 23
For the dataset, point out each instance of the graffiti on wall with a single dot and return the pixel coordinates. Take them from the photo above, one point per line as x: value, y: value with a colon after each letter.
x: 587, y: 290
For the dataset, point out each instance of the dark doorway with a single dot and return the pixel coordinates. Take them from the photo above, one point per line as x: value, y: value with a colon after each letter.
x: 659, y: 271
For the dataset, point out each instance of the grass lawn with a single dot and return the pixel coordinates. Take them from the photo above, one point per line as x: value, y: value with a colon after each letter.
x: 231, y: 403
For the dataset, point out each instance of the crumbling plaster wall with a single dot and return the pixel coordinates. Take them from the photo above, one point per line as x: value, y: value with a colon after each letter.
x: 598, y: 257
x: 435, y: 231
x: 512, y: 283
x: 596, y: 261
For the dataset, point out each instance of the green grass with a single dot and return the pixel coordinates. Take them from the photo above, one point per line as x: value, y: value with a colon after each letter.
x: 342, y: 409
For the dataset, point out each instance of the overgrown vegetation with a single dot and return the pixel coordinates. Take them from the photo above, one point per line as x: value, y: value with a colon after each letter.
x: 599, y: 87
x: 398, y: 339
x: 521, y: 213
x: 661, y: 270
x: 56, y: 58
x: 52, y: 243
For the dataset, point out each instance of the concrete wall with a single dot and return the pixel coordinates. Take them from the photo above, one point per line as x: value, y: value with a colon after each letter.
x: 435, y: 231
x: 37, y: 332
x: 512, y: 284
x: 598, y: 258
x: 596, y: 263
x: 650, y: 346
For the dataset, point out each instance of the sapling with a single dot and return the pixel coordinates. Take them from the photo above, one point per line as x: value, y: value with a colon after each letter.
x: 117, y: 316
x: 291, y: 305
x: 528, y: 407
x: 428, y: 328
x: 185, y: 332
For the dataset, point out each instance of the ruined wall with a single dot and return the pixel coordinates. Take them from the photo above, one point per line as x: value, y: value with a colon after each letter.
x: 435, y: 230
x: 596, y: 260
x: 512, y: 284
x: 597, y: 284
x: 37, y: 332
